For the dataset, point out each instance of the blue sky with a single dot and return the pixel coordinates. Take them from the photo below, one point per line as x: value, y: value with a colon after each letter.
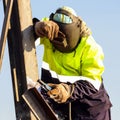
x: 103, y: 17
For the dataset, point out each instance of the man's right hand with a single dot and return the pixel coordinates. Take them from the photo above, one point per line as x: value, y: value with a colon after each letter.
x: 47, y: 29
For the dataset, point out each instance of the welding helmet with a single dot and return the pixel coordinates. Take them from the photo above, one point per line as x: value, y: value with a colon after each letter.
x: 69, y: 26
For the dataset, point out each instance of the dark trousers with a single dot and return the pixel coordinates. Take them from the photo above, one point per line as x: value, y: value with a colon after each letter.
x: 104, y: 115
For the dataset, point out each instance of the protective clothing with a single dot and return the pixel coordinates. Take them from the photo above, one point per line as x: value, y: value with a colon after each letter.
x: 60, y: 92
x: 81, y: 65
x: 47, y: 29
x: 85, y: 62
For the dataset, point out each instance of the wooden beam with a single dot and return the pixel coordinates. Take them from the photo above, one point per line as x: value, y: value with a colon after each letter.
x: 28, y: 44
x: 22, y: 53
x: 5, y: 27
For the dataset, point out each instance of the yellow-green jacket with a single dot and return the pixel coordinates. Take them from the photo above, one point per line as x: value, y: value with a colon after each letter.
x: 82, y: 67
x: 84, y: 63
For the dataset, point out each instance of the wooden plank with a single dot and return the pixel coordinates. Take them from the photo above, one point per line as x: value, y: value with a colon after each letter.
x: 28, y: 43
x: 5, y: 27
x: 22, y: 54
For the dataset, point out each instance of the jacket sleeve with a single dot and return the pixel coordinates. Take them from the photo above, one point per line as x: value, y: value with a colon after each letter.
x: 92, y: 69
x: 92, y: 60
x: 94, y: 101
x: 82, y: 89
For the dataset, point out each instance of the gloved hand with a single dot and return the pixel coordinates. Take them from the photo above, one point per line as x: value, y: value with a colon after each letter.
x: 60, y: 92
x: 47, y: 29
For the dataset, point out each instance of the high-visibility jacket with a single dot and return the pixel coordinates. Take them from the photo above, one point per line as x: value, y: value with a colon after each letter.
x: 82, y: 67
x: 84, y: 63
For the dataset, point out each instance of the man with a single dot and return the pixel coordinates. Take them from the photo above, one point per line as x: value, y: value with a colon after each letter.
x: 73, y: 67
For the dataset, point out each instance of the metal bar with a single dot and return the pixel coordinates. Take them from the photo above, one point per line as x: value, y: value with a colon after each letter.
x: 5, y: 29
x: 38, y: 105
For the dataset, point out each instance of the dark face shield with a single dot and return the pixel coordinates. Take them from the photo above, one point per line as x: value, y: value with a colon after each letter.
x: 68, y: 37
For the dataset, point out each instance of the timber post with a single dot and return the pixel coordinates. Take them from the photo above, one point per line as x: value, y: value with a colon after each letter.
x: 22, y: 53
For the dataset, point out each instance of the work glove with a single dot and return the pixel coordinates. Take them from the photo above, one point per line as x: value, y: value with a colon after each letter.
x: 60, y: 92
x: 47, y: 29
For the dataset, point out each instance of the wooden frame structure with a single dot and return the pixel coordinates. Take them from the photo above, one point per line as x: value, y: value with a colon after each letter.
x: 17, y: 28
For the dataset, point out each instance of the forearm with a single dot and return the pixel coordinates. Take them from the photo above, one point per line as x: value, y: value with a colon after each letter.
x: 82, y: 89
